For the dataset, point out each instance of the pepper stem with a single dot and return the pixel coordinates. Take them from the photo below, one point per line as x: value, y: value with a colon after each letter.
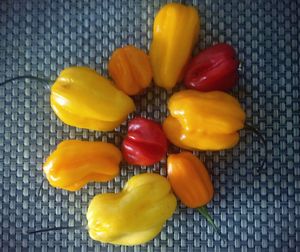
x: 204, y: 212
x: 41, y: 187
x: 262, y: 139
x: 25, y: 77
x: 54, y: 229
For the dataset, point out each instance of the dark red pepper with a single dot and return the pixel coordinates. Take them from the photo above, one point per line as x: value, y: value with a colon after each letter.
x: 145, y: 143
x: 215, y: 68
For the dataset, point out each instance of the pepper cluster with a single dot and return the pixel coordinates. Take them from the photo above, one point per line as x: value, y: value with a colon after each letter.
x: 205, y: 118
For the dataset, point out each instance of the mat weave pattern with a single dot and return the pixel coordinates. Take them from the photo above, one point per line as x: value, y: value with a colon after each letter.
x: 257, y: 211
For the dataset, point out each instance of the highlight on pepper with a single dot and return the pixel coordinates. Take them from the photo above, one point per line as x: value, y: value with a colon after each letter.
x: 135, y: 215
x: 82, y: 98
x: 204, y: 120
x: 75, y: 163
x: 130, y: 69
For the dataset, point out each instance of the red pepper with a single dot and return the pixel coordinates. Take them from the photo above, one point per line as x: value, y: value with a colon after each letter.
x: 215, y: 68
x: 145, y: 143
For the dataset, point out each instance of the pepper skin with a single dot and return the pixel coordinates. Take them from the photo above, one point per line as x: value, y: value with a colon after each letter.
x: 75, y: 163
x: 145, y: 143
x: 175, y: 32
x: 82, y: 98
x: 135, y: 215
x: 130, y: 69
x: 191, y: 183
x: 189, y: 179
x: 204, y: 120
x: 215, y: 68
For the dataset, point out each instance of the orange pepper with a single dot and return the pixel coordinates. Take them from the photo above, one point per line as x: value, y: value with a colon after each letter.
x: 75, y: 163
x: 191, y: 182
x: 189, y: 179
x: 130, y: 69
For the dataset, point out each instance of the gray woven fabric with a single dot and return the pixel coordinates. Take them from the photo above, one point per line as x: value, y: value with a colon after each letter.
x: 256, y: 211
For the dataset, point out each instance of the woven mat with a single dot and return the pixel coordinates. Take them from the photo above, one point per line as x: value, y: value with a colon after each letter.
x: 257, y: 211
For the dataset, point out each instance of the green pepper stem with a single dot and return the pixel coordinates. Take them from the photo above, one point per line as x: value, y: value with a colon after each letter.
x: 262, y: 139
x: 54, y: 229
x: 41, y: 187
x: 25, y: 77
x: 204, y: 212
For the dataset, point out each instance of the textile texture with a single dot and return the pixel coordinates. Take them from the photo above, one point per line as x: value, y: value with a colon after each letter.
x: 256, y: 210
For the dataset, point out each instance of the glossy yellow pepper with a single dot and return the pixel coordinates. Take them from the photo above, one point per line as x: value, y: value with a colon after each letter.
x: 135, y: 215
x: 83, y: 98
x: 75, y: 163
x: 175, y: 32
x: 204, y: 120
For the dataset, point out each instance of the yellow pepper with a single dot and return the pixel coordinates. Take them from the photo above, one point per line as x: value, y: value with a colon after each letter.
x: 75, y: 163
x: 135, y: 215
x: 175, y: 32
x: 82, y: 98
x: 204, y: 120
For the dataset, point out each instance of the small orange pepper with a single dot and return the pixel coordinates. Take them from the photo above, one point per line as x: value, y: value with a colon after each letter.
x: 75, y: 163
x: 130, y: 69
x: 191, y: 182
x: 190, y: 179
